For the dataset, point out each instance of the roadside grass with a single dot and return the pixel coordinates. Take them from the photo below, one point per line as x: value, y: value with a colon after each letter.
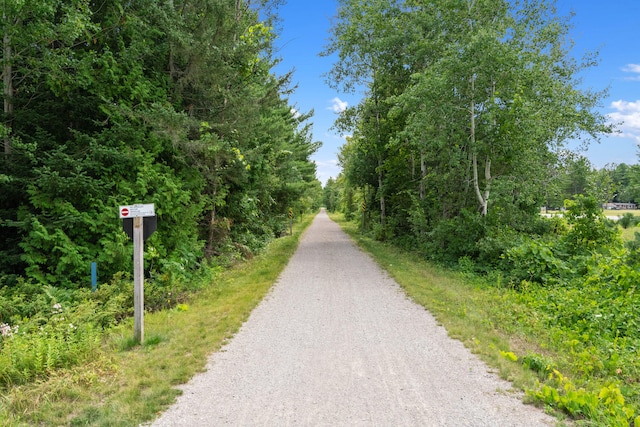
x: 479, y: 315
x: 550, y: 342
x: 621, y: 212
x: 629, y: 234
x: 130, y: 384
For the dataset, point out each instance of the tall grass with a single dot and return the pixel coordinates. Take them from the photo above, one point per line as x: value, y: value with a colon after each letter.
x: 122, y: 384
x: 546, y: 341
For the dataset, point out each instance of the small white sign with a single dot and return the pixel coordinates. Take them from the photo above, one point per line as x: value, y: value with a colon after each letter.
x: 132, y: 211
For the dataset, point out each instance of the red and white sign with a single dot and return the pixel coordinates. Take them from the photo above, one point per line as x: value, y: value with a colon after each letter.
x: 133, y: 211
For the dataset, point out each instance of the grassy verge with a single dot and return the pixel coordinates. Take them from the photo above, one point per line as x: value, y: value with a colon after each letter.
x: 466, y: 308
x: 127, y: 385
x: 629, y: 234
x: 507, y: 329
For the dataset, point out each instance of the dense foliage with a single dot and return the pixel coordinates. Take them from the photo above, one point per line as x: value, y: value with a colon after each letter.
x: 457, y: 145
x: 115, y: 102
x: 469, y: 105
x: 460, y: 140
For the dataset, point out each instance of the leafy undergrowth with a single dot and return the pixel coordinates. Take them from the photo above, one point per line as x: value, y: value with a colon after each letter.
x: 65, y: 373
x: 573, y: 348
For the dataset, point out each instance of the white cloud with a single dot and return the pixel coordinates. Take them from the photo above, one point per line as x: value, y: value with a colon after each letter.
x: 338, y: 105
x: 634, y: 69
x: 628, y: 115
x: 327, y: 169
x: 295, y: 113
x: 333, y: 163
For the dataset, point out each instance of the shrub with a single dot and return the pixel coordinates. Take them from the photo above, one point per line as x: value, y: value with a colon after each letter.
x: 454, y: 238
x: 633, y: 248
x: 589, y: 229
x: 534, y: 260
x: 492, y: 247
x: 627, y: 220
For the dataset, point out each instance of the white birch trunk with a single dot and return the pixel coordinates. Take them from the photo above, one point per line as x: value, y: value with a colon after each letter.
x: 483, y: 197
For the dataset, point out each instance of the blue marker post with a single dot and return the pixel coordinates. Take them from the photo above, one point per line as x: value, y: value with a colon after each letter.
x: 94, y: 276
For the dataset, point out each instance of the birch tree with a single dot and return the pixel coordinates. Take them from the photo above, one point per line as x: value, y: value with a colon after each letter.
x: 506, y: 65
x: 368, y: 39
x: 490, y: 94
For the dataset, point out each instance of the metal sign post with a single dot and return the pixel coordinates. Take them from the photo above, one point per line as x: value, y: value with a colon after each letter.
x: 138, y: 212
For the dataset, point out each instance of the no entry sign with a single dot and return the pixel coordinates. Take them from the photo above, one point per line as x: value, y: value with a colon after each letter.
x: 133, y: 211
x: 139, y: 221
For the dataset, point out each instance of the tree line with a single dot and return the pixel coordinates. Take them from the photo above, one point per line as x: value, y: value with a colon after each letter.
x: 615, y: 183
x: 462, y: 136
x: 173, y: 102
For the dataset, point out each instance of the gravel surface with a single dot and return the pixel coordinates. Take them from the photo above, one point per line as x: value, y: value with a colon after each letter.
x: 337, y: 343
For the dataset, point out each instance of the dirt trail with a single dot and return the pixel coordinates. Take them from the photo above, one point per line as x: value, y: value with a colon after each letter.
x: 337, y: 343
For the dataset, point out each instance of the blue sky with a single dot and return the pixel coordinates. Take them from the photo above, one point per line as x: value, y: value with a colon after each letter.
x: 611, y: 28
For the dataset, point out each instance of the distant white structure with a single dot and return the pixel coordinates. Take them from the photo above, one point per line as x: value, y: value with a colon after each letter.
x: 614, y: 206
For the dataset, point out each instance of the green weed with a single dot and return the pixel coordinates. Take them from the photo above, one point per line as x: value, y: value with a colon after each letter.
x: 115, y: 382
x: 585, y: 326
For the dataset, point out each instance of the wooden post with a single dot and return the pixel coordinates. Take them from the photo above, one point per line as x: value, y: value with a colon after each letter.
x: 138, y: 280
x: 133, y: 224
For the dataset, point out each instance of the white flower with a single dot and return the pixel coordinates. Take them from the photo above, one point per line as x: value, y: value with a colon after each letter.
x: 5, y: 330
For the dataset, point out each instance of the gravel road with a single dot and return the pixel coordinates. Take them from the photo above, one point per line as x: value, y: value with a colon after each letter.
x: 337, y: 343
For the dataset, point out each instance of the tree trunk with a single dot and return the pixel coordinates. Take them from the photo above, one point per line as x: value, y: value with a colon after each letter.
x: 412, y: 166
x: 383, y: 214
x: 423, y: 174
x: 7, y: 93
x: 208, y: 252
x: 482, y: 198
x: 172, y: 65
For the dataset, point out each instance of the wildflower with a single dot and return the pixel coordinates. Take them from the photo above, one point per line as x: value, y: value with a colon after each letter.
x: 5, y: 330
x: 57, y: 307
